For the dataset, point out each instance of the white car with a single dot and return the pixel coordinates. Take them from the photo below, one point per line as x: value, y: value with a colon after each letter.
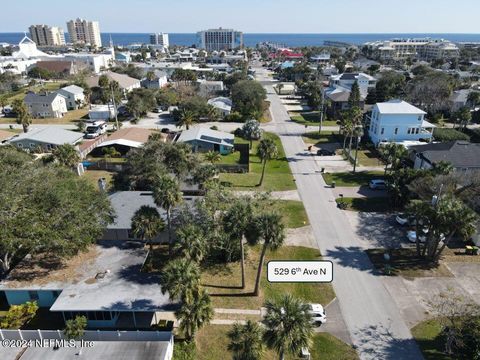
x: 318, y: 313
x: 403, y: 219
x: 412, y: 236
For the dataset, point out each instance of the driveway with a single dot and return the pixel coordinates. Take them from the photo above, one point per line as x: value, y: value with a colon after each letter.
x: 377, y: 230
x: 372, y: 317
x: 359, y: 192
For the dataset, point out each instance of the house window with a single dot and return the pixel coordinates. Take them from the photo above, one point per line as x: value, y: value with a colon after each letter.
x: 383, y: 131
x: 420, y: 118
x: 33, y: 295
x: 396, y: 131
x: 417, y: 130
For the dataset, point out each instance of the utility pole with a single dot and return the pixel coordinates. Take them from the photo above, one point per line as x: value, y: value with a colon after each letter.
x: 115, y: 109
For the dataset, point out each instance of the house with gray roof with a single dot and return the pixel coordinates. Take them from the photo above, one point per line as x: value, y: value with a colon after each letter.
x: 222, y: 104
x: 74, y: 96
x: 462, y: 155
x: 204, y: 139
x: 46, y: 105
x: 46, y: 138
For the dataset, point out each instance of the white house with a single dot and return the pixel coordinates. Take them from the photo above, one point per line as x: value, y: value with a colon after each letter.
x: 46, y: 105
x: 346, y: 80
x: 222, y: 104
x: 101, y: 112
x: 74, y: 96
x: 398, y: 121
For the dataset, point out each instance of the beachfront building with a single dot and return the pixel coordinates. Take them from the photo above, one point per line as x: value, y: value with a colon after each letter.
x: 44, y: 35
x: 84, y: 32
x: 160, y: 39
x: 219, y: 39
x: 398, y: 121
x: 423, y: 49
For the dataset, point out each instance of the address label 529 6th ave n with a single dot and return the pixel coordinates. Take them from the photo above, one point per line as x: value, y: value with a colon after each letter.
x: 300, y: 271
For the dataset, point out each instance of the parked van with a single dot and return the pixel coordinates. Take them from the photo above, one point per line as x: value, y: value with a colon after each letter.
x: 95, y: 129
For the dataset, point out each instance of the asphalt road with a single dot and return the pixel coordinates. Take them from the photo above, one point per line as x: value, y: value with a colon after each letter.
x: 376, y: 327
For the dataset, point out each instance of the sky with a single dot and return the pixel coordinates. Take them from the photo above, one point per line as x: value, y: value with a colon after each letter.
x: 250, y: 16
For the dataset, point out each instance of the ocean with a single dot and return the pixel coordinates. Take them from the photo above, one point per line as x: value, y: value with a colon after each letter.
x: 251, y: 40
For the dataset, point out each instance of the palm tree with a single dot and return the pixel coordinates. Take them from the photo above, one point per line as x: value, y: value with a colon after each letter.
x: 23, y: 115
x: 191, y: 242
x: 195, y: 313
x: 236, y: 222
x: 473, y: 99
x: 75, y: 328
x: 269, y: 228
x: 150, y: 76
x: 181, y: 279
x: 288, y: 326
x: 186, y: 118
x: 246, y: 341
x: 147, y: 224
x: 267, y: 150
x: 66, y: 155
x: 167, y: 195
x: 212, y: 157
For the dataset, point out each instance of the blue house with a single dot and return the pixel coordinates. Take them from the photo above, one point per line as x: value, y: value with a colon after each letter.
x: 204, y: 139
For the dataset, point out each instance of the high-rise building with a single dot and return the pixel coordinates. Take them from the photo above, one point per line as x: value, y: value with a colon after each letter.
x: 160, y: 39
x: 219, y: 39
x: 44, y: 35
x: 84, y: 32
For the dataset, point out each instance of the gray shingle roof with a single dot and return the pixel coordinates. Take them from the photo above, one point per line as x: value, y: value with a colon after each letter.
x: 48, y: 98
x: 207, y: 135
x: 461, y: 154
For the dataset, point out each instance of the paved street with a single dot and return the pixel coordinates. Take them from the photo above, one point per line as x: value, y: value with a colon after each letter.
x: 372, y: 317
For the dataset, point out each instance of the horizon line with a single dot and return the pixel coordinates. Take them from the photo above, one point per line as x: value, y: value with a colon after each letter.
x: 283, y: 33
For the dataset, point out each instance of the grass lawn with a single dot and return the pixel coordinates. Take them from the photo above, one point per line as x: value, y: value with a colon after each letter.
x: 404, y: 262
x: 313, y: 137
x: 212, y: 343
x: 20, y: 94
x: 351, y: 179
x: 430, y: 340
x: 70, y: 117
x: 368, y: 158
x: 278, y: 176
x: 222, y: 281
x: 310, y: 118
x: 293, y: 212
x: 93, y: 175
x: 374, y: 204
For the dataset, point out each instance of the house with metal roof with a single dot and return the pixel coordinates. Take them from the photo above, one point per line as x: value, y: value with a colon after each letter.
x: 398, y: 121
x: 46, y: 138
x: 204, y: 139
x: 74, y: 96
x: 46, y: 105
x: 222, y: 104
x: 125, y: 82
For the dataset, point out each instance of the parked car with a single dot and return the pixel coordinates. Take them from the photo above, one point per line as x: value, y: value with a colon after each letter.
x: 325, y: 152
x: 377, y: 184
x: 165, y: 130
x: 318, y: 313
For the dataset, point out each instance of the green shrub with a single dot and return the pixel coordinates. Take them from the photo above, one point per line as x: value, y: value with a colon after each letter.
x: 443, y: 134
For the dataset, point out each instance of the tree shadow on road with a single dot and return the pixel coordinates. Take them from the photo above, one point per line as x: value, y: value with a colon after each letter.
x: 378, y: 342
x: 353, y: 257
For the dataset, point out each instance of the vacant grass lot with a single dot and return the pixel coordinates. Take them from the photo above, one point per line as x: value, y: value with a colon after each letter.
x: 314, y: 137
x: 404, y: 262
x: 352, y: 179
x: 212, y: 343
x: 20, y: 94
x: 222, y: 281
x: 278, y: 176
x: 368, y: 158
x: 373, y: 204
x: 293, y: 212
x: 311, y: 119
